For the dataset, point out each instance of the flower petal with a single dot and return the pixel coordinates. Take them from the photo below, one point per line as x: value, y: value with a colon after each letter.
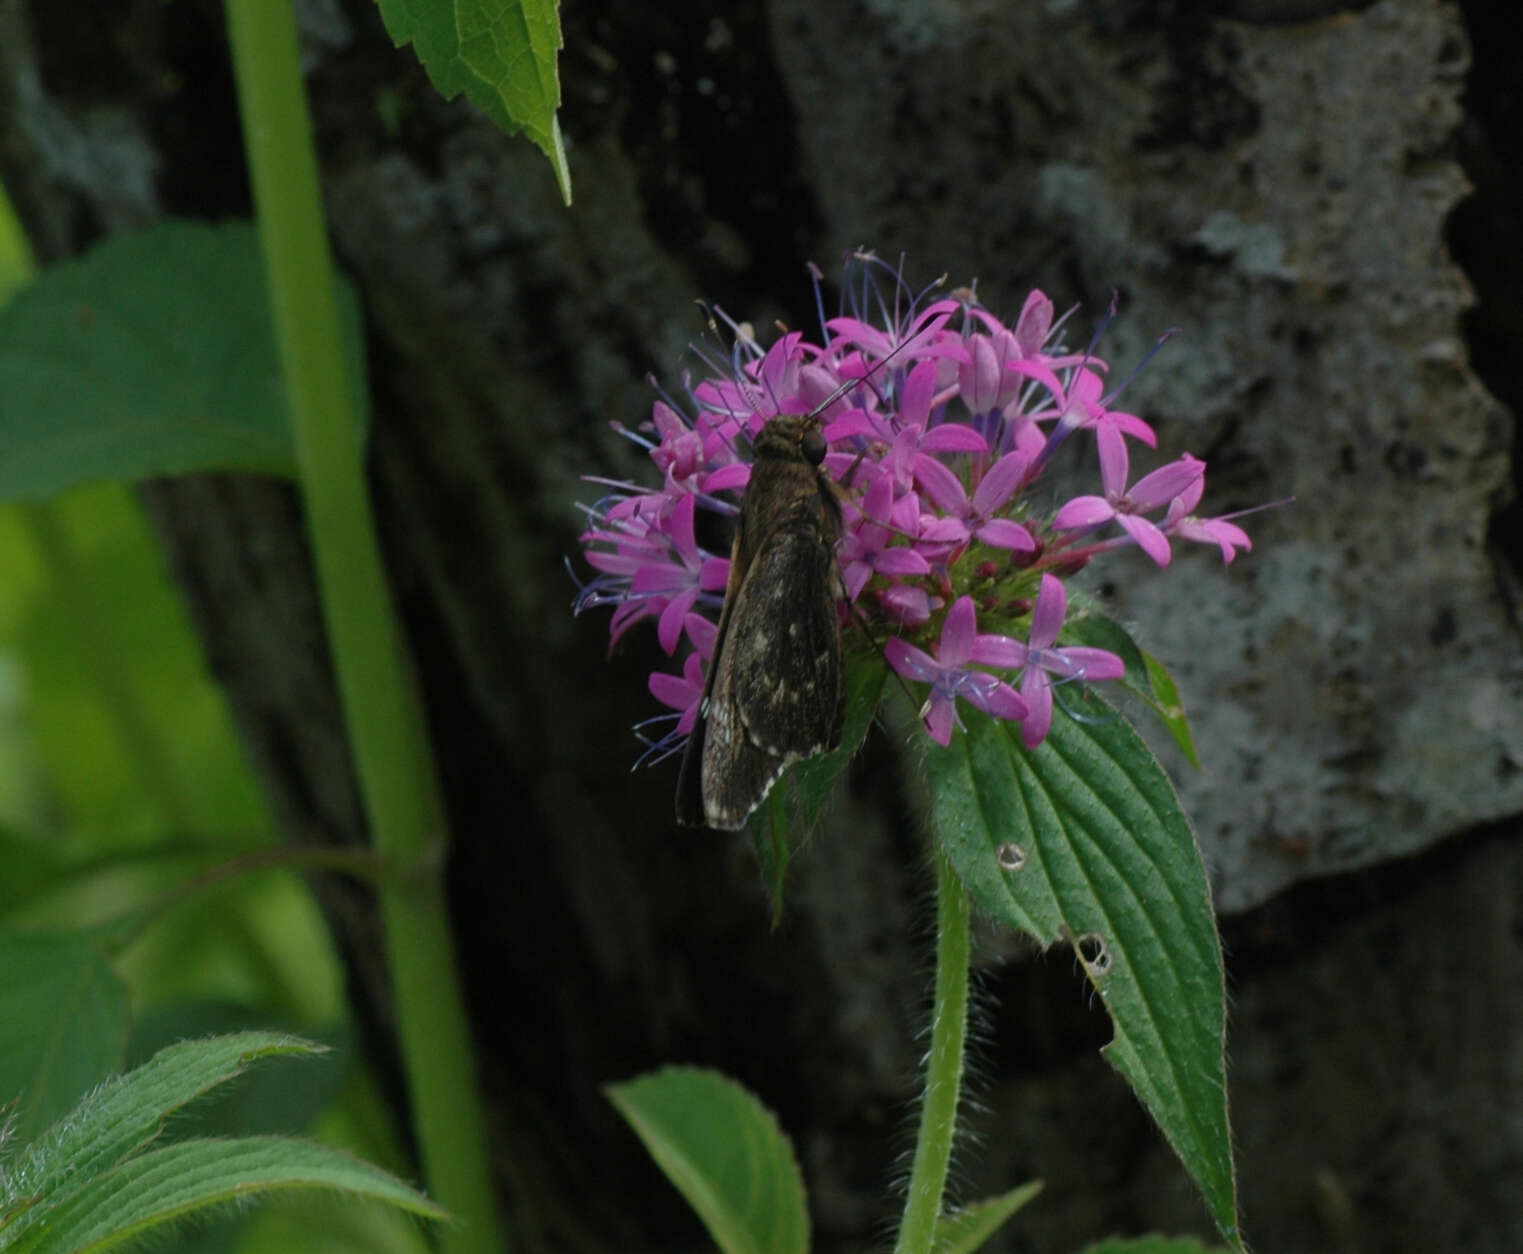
x: 669, y: 625
x: 1035, y: 322
x: 673, y: 690
x: 1005, y: 652
x: 953, y: 437
x: 940, y: 532
x: 901, y: 561
x: 957, y: 633
x: 910, y: 662
x: 1114, y: 463
x: 1083, y: 511
x: 938, y: 481
x: 855, y: 577
x: 735, y: 475
x: 1051, y: 609
x: 1149, y: 539
x: 906, y: 604
x: 1007, y: 534
x: 702, y: 632
x: 1036, y: 687
x: 994, y: 696
x: 940, y: 715
x: 1040, y: 373
x: 999, y: 483
x: 714, y: 574
x: 979, y: 376
x: 915, y: 399
x: 853, y: 422
x: 1092, y: 664
x: 1167, y: 482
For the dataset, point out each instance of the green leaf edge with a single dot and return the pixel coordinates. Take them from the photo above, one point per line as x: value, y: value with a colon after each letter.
x: 1006, y: 908
x: 121, y: 1204
x: 450, y: 70
x: 687, y: 1176
x: 81, y: 950
x: 967, y: 1228
x: 127, y: 1112
x: 108, y: 262
x: 805, y: 791
x: 1146, y: 678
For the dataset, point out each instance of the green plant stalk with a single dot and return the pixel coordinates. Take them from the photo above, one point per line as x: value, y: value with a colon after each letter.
x: 943, y: 1072
x: 382, y: 710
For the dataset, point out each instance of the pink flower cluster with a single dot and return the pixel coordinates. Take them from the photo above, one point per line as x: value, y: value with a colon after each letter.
x: 937, y: 445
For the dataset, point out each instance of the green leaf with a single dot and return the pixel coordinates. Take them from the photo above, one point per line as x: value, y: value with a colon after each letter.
x: 1167, y: 705
x: 170, y: 1184
x: 967, y: 1229
x: 808, y: 786
x: 15, y: 253
x: 150, y: 355
x: 1153, y: 1244
x: 327, y: 1223
x: 501, y: 53
x: 282, y: 1095
x: 770, y: 829
x: 725, y: 1153
x: 128, y: 735
x: 32, y: 866
x: 127, y: 1112
x: 63, y: 1024
x: 1083, y: 839
x: 279, y: 1096
x: 816, y: 777
x: 1146, y: 677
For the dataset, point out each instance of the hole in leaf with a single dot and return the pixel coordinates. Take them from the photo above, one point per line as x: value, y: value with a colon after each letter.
x: 1010, y: 856
x: 1093, y: 953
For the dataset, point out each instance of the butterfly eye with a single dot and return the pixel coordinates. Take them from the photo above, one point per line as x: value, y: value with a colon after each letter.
x: 812, y: 446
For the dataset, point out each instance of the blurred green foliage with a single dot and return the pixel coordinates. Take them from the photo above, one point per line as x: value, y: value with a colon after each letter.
x: 121, y: 777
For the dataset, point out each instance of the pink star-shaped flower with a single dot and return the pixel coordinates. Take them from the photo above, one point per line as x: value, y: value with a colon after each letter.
x: 949, y: 675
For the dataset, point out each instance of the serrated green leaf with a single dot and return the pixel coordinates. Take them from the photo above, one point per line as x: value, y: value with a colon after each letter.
x: 282, y: 1095
x: 279, y: 1096
x: 1083, y: 839
x: 1146, y: 677
x: 501, y: 53
x: 967, y: 1229
x: 1153, y: 1245
x: 63, y: 1024
x: 167, y: 1185
x: 128, y: 1111
x: 726, y: 1155
x: 150, y: 355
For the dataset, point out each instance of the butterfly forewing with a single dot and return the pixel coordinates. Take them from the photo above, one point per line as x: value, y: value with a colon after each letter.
x: 776, y: 687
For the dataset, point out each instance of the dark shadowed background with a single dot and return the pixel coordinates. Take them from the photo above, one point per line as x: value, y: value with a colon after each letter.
x: 1325, y: 199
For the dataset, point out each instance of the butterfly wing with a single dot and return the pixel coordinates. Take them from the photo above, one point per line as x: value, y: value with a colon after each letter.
x: 779, y: 690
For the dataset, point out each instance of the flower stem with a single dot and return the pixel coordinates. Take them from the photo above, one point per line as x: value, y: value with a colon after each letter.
x: 382, y: 710
x: 943, y: 1072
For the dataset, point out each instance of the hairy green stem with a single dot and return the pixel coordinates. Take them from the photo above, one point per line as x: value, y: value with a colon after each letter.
x: 943, y: 1071
x: 382, y: 709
